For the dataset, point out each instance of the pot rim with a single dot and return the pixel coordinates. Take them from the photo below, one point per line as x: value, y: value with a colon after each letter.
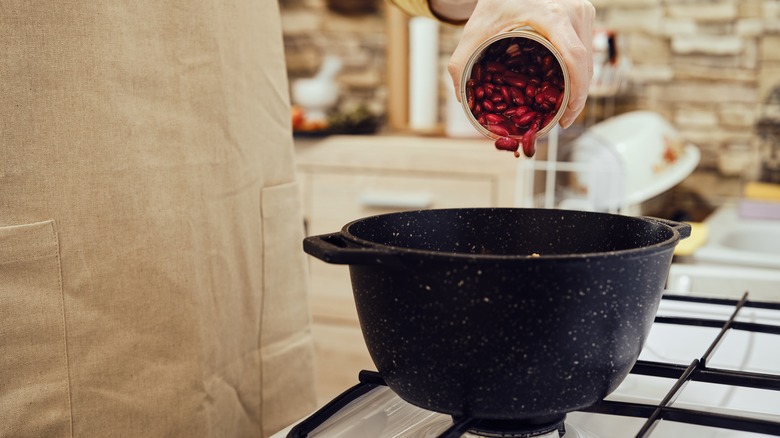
x: 679, y: 231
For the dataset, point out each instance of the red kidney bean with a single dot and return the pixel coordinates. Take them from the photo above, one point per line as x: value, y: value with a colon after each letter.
x: 493, y: 119
x: 547, y: 62
x: 511, y: 128
x: 498, y: 130
x: 529, y: 143
x: 487, y: 105
x: 530, y: 91
x: 499, y: 47
x: 476, y: 73
x: 507, y: 144
x: 552, y: 95
x: 524, y: 119
x: 494, y: 67
x: 522, y: 110
x: 516, y: 81
x: 514, y: 62
x: 516, y: 96
x: 505, y: 94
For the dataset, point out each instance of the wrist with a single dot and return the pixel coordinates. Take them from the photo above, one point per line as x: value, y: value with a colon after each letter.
x: 452, y: 11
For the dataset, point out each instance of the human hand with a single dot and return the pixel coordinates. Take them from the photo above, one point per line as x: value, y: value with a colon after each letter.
x: 568, y: 24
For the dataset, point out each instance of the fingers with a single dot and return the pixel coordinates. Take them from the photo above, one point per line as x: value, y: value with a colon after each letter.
x: 479, y: 28
x: 569, y: 28
x: 581, y: 57
x: 579, y: 84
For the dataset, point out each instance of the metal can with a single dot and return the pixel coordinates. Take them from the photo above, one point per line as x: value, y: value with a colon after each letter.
x: 479, y: 53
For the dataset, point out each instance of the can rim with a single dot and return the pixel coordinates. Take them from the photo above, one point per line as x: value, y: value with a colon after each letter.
x: 477, y: 55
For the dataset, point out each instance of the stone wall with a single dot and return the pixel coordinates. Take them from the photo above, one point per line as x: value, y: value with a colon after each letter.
x: 706, y: 65
x: 313, y: 30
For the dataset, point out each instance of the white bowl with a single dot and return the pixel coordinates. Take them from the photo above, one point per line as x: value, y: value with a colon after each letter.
x: 653, y: 155
x: 315, y: 96
x: 738, y: 241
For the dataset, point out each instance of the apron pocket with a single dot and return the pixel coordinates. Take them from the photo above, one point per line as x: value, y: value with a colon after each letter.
x: 285, y: 306
x: 287, y: 347
x: 34, y: 387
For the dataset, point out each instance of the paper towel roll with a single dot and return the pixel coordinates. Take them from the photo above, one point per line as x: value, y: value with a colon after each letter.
x: 456, y: 122
x: 423, y: 73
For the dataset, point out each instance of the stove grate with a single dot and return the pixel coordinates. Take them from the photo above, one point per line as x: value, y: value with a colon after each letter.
x: 699, y: 371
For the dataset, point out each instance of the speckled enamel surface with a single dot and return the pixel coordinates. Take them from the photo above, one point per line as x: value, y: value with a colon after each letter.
x: 459, y: 319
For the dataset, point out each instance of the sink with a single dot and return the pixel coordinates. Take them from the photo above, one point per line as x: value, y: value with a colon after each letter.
x: 711, y: 280
x: 736, y: 240
x: 758, y: 239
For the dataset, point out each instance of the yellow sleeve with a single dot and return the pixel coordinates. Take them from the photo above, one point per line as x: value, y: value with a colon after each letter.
x: 421, y: 8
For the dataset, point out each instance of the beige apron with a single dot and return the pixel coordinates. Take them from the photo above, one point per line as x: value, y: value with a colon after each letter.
x: 152, y: 282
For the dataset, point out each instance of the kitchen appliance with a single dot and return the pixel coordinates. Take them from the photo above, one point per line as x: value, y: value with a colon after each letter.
x: 710, y: 368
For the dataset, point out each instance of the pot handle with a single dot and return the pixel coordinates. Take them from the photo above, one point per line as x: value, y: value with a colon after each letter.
x: 683, y: 228
x: 333, y: 248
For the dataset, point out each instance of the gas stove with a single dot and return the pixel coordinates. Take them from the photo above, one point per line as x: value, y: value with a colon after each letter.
x: 710, y: 368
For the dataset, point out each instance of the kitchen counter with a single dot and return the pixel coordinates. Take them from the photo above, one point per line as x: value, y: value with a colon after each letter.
x: 407, y: 153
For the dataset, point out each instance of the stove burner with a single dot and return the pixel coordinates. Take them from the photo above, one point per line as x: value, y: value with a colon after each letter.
x: 550, y: 434
x: 542, y: 427
x: 547, y: 427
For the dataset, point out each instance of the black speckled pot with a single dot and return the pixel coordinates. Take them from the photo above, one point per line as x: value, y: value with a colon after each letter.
x: 459, y: 319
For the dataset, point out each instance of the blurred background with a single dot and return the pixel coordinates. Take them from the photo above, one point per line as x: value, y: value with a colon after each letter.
x: 709, y: 67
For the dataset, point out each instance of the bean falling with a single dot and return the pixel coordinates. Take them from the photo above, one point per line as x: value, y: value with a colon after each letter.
x: 514, y: 91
